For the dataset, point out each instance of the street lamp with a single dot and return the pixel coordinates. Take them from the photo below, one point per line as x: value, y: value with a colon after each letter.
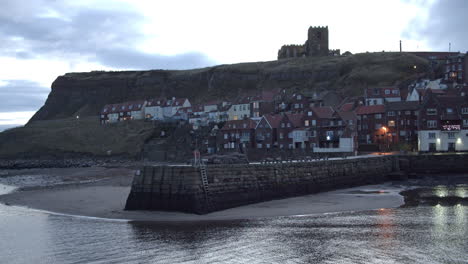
x: 384, y: 129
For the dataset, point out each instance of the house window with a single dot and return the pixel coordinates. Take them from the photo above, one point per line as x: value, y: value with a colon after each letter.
x: 314, y: 122
x: 281, y: 146
x: 431, y: 135
x: 364, y: 116
x: 245, y: 125
x: 408, y: 122
x: 465, y: 122
x: 313, y: 133
x: 391, y: 123
x: 281, y: 135
x: 288, y: 125
x: 465, y: 110
x: 396, y: 92
x: 226, y: 136
x: 407, y: 112
x: 309, y: 113
x: 296, y: 106
x: 235, y: 117
x: 299, y: 97
x: 306, y: 122
x: 431, y: 111
x: 391, y: 113
x: 234, y: 126
x: 268, y: 145
x: 350, y: 122
x: 378, y: 116
x: 449, y: 110
x: 402, y: 133
x: 451, y: 135
x: 387, y: 91
x: 282, y: 125
x: 431, y: 123
x: 378, y: 126
x: 259, y: 146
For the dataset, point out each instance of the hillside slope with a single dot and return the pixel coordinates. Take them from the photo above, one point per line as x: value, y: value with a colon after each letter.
x: 84, y: 94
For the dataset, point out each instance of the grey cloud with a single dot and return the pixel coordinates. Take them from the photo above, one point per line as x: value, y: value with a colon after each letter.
x: 22, y: 95
x: 446, y: 23
x: 107, y: 36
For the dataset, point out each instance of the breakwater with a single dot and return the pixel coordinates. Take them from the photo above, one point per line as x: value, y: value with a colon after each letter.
x: 181, y: 188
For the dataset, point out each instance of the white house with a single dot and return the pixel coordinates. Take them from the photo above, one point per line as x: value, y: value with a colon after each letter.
x: 125, y: 111
x: 154, y: 109
x: 240, y: 110
x: 171, y: 106
x: 378, y: 96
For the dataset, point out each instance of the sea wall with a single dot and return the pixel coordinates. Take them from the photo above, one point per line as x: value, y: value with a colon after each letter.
x: 180, y: 188
x: 434, y: 163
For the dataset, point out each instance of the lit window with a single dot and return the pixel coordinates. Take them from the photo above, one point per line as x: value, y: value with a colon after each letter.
x: 391, y: 123
x: 451, y: 135
x: 449, y: 110
x: 306, y: 123
x: 391, y: 113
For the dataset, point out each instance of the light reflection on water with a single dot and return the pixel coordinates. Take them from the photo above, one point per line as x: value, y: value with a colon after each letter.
x: 423, y: 234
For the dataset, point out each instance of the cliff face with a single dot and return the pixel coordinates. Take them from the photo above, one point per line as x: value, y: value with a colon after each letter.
x: 86, y: 93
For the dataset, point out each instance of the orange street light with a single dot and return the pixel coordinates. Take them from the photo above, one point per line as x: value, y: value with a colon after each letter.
x: 384, y: 129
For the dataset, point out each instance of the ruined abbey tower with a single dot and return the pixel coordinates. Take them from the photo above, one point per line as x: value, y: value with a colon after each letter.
x: 316, y: 45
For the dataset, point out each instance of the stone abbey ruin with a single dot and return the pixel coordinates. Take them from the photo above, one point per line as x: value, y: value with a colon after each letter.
x: 316, y: 45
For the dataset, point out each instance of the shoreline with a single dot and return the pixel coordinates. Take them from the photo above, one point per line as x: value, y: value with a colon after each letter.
x: 104, y: 195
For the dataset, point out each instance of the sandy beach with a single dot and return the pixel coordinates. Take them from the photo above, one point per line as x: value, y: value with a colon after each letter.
x: 102, y: 192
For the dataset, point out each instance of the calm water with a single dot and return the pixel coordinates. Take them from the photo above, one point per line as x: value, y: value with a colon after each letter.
x: 423, y: 234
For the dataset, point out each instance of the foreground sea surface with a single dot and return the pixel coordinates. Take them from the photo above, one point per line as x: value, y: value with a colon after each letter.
x: 436, y: 233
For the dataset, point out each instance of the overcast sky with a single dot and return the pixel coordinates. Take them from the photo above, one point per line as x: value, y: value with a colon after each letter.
x: 42, y: 39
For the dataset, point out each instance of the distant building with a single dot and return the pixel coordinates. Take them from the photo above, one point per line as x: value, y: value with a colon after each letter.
x: 443, y: 124
x: 380, y: 95
x: 456, y: 69
x: 402, y: 122
x: 124, y: 111
x: 371, y: 123
x: 315, y: 46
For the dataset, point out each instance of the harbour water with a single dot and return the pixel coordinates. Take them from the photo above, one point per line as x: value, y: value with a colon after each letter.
x: 416, y: 234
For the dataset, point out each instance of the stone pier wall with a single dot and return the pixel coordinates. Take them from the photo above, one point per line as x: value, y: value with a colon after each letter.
x: 179, y: 188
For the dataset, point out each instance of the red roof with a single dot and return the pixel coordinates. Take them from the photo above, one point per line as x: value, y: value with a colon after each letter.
x: 323, y: 112
x: 239, y: 124
x: 123, y: 107
x: 370, y: 109
x: 156, y: 102
x: 274, y: 120
x: 347, y: 107
x: 296, y: 119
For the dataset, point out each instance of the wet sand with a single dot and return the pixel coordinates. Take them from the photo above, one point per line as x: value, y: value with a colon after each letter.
x: 102, y: 192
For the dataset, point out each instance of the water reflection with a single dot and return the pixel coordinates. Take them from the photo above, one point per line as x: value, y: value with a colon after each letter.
x: 422, y: 234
